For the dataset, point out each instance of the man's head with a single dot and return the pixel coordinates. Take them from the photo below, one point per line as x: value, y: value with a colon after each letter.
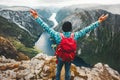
x: 67, y: 26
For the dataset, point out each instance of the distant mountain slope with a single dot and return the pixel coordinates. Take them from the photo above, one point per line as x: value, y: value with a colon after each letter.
x: 11, y: 29
x: 23, y: 20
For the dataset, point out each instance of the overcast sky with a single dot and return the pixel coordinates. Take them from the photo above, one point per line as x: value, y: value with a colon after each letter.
x: 54, y: 2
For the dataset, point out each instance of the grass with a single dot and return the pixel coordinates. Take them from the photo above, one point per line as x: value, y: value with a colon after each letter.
x: 30, y: 52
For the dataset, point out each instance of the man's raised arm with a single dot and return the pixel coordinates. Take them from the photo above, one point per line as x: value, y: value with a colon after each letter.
x: 91, y: 27
x: 43, y: 24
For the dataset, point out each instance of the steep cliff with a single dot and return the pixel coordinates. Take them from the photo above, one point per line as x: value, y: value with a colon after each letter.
x: 8, y: 50
x: 103, y: 43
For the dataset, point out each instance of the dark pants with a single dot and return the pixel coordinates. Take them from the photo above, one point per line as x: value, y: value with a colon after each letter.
x: 59, y: 68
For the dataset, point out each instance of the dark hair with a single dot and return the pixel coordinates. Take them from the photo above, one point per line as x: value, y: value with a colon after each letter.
x: 67, y: 26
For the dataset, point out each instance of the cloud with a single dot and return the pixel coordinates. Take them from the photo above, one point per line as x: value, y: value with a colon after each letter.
x: 54, y: 2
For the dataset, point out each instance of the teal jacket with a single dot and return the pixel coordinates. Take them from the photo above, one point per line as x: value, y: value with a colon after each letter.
x: 56, y: 35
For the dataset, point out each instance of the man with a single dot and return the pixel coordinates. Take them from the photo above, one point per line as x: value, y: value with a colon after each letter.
x: 67, y: 28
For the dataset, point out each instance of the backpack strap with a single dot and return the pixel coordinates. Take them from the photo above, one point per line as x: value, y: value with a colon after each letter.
x: 72, y: 35
x: 62, y: 35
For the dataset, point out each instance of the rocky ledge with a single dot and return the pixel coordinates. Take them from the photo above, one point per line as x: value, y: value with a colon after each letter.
x: 43, y: 67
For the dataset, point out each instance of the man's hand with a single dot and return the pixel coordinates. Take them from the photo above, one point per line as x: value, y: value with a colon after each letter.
x: 34, y: 13
x: 102, y: 18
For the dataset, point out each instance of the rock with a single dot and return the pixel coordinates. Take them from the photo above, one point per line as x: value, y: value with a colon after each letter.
x: 7, y: 48
x: 43, y: 67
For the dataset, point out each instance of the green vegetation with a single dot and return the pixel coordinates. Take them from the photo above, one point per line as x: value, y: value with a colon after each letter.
x: 31, y: 52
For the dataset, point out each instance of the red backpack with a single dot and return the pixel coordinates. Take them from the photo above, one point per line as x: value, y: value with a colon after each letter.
x: 67, y: 48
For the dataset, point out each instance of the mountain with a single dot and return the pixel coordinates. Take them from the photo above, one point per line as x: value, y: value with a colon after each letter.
x: 21, y: 29
x: 20, y: 15
x: 100, y: 45
x: 43, y: 67
x: 15, y: 41
x: 11, y: 29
